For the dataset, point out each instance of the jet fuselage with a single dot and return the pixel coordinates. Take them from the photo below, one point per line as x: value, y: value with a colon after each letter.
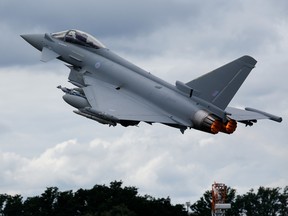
x: 113, y: 91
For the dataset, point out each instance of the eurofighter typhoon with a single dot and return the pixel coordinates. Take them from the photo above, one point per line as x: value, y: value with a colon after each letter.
x: 111, y: 90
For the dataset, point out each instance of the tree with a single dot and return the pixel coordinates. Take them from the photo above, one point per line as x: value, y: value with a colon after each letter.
x: 32, y: 206
x: 283, y: 202
x: 264, y: 202
x: 3, y: 198
x: 268, y: 200
x: 203, y: 206
x: 48, y: 200
x: 13, y: 206
x: 249, y: 203
x: 65, y: 204
x: 119, y: 210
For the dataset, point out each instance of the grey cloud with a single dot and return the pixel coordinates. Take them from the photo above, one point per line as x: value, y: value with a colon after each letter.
x: 4, y: 129
x: 220, y: 28
x: 171, y: 166
x: 110, y: 17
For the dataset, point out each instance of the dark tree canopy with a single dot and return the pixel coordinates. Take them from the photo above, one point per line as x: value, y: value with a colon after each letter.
x: 264, y: 202
x: 116, y: 200
x: 101, y: 200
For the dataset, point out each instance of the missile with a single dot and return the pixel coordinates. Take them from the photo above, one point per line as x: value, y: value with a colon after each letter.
x: 95, y: 118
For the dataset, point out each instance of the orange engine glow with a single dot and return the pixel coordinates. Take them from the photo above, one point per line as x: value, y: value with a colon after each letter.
x: 216, y: 126
x: 210, y: 123
x: 230, y: 127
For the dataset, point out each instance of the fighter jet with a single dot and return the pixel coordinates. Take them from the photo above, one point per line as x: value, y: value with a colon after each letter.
x: 112, y: 91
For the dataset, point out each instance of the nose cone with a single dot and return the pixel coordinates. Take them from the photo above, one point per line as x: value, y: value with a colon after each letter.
x: 36, y: 40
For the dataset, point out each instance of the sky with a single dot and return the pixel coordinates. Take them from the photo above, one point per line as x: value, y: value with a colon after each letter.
x: 43, y: 143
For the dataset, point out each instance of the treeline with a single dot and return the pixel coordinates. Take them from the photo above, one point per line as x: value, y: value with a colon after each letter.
x: 101, y: 200
x: 116, y: 200
x: 264, y: 202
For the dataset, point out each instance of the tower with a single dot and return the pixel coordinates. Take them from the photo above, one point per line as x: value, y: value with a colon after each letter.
x: 219, y: 192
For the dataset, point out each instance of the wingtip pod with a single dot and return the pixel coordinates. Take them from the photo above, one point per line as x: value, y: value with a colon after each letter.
x: 268, y: 115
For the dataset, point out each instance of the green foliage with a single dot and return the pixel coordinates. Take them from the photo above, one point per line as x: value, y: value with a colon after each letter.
x: 116, y: 200
x: 264, y: 202
x: 101, y: 200
x: 203, y: 206
x: 13, y: 205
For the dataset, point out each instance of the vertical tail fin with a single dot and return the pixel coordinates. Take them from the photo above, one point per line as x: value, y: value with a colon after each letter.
x: 220, y: 85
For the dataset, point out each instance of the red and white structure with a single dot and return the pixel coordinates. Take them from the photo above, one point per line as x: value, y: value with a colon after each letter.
x: 219, y: 193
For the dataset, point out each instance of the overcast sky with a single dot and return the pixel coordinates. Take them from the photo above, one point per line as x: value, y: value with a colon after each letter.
x: 43, y: 143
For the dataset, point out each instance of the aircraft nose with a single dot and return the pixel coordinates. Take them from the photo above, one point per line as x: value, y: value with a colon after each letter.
x: 36, y: 40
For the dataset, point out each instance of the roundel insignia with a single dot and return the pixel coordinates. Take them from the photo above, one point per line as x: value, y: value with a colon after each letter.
x: 97, y: 65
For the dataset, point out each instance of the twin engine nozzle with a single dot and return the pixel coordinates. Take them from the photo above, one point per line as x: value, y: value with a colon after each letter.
x: 211, y: 124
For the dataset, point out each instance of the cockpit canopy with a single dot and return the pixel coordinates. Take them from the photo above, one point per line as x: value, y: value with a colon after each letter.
x: 78, y: 37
